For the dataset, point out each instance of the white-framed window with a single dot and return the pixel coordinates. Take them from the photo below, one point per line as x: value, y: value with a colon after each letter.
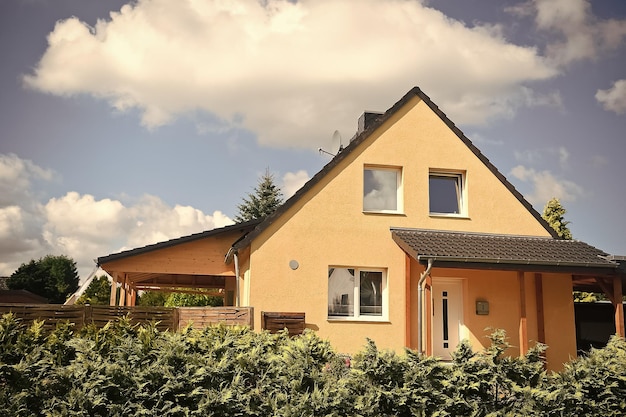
x: 382, y: 189
x: 446, y: 193
x: 357, y: 293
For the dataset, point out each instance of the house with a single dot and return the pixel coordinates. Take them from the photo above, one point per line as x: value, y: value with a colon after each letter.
x: 18, y: 296
x: 409, y: 236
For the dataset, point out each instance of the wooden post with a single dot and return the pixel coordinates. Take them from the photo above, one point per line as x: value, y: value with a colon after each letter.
x: 523, y: 325
x: 541, y: 330
x: 122, y: 301
x: 133, y: 296
x: 618, y: 306
x: 113, y: 300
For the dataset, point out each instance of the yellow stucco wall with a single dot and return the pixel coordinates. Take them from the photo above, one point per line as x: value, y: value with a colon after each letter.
x: 501, y: 290
x: 559, y: 320
x: 327, y: 227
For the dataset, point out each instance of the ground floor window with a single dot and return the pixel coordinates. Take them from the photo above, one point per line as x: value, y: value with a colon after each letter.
x: 356, y: 292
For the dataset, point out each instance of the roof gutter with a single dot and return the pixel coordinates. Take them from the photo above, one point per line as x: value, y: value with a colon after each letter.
x: 232, y: 254
x: 237, y: 298
x: 611, y: 265
x: 420, y: 304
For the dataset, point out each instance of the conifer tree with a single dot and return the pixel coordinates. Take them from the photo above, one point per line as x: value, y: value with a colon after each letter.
x: 97, y: 293
x: 52, y: 277
x: 265, y: 199
x: 553, y: 213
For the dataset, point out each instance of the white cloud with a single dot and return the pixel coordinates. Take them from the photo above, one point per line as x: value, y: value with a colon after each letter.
x: 546, y: 186
x: 17, y: 177
x: 81, y: 226
x: 278, y: 67
x: 482, y: 140
x: 528, y: 156
x: 293, y: 181
x: 155, y: 221
x: 536, y: 156
x: 581, y: 34
x: 614, y: 98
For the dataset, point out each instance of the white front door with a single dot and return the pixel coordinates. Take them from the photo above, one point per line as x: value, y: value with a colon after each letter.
x: 447, y: 313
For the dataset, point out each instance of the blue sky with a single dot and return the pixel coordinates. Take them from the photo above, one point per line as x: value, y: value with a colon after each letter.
x: 123, y: 124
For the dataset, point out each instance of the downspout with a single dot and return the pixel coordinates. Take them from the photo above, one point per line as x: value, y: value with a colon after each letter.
x: 420, y: 304
x: 236, y: 260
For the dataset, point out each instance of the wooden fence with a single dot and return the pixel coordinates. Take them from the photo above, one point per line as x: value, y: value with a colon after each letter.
x: 277, y: 321
x: 166, y: 318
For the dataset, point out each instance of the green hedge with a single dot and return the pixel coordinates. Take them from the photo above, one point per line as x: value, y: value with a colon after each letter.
x: 125, y: 370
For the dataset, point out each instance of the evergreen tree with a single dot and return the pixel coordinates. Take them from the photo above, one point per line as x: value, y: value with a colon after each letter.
x: 266, y: 198
x: 553, y: 213
x: 97, y: 293
x: 52, y: 277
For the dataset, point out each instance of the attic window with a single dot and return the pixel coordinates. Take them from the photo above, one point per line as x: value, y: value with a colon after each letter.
x: 382, y: 189
x: 446, y: 193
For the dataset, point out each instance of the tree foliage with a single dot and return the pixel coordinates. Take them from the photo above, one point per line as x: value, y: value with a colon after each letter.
x: 126, y: 370
x: 554, y: 214
x: 152, y: 298
x: 52, y: 277
x: 265, y: 199
x: 179, y: 299
x: 97, y: 293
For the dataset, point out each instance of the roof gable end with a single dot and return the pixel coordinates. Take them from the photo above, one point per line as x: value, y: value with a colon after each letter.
x: 360, y: 137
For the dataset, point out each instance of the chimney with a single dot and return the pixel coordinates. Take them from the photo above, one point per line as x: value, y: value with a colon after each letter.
x: 366, y: 120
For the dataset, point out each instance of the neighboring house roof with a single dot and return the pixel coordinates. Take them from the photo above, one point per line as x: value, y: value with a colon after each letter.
x: 361, y: 137
x: 243, y: 227
x: 469, y: 250
x: 21, y: 297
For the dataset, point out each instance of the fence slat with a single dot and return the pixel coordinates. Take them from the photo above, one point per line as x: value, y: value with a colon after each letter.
x: 167, y: 318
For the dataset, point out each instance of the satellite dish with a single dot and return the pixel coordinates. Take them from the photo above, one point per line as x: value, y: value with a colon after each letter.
x: 337, y: 141
x: 336, y: 144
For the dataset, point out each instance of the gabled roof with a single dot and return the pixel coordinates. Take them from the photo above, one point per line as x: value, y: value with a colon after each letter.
x: 241, y: 227
x: 361, y: 137
x: 470, y: 250
x: 21, y: 297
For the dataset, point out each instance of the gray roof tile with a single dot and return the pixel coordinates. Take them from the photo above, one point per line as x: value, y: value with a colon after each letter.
x: 481, y: 248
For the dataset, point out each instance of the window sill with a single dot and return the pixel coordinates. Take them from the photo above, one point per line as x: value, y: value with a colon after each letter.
x: 357, y: 320
x: 449, y: 216
x: 385, y: 213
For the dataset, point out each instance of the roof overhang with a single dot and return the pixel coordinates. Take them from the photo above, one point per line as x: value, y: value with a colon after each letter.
x: 242, y: 228
x: 504, y: 252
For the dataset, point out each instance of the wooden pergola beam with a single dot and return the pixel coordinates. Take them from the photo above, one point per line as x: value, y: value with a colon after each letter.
x: 183, y: 290
x: 607, y: 290
x: 166, y: 286
x: 113, y: 299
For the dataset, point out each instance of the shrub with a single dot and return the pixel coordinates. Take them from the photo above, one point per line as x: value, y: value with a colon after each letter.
x: 128, y: 370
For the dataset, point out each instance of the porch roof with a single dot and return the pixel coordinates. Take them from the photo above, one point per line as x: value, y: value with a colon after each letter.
x: 243, y: 228
x: 493, y: 251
